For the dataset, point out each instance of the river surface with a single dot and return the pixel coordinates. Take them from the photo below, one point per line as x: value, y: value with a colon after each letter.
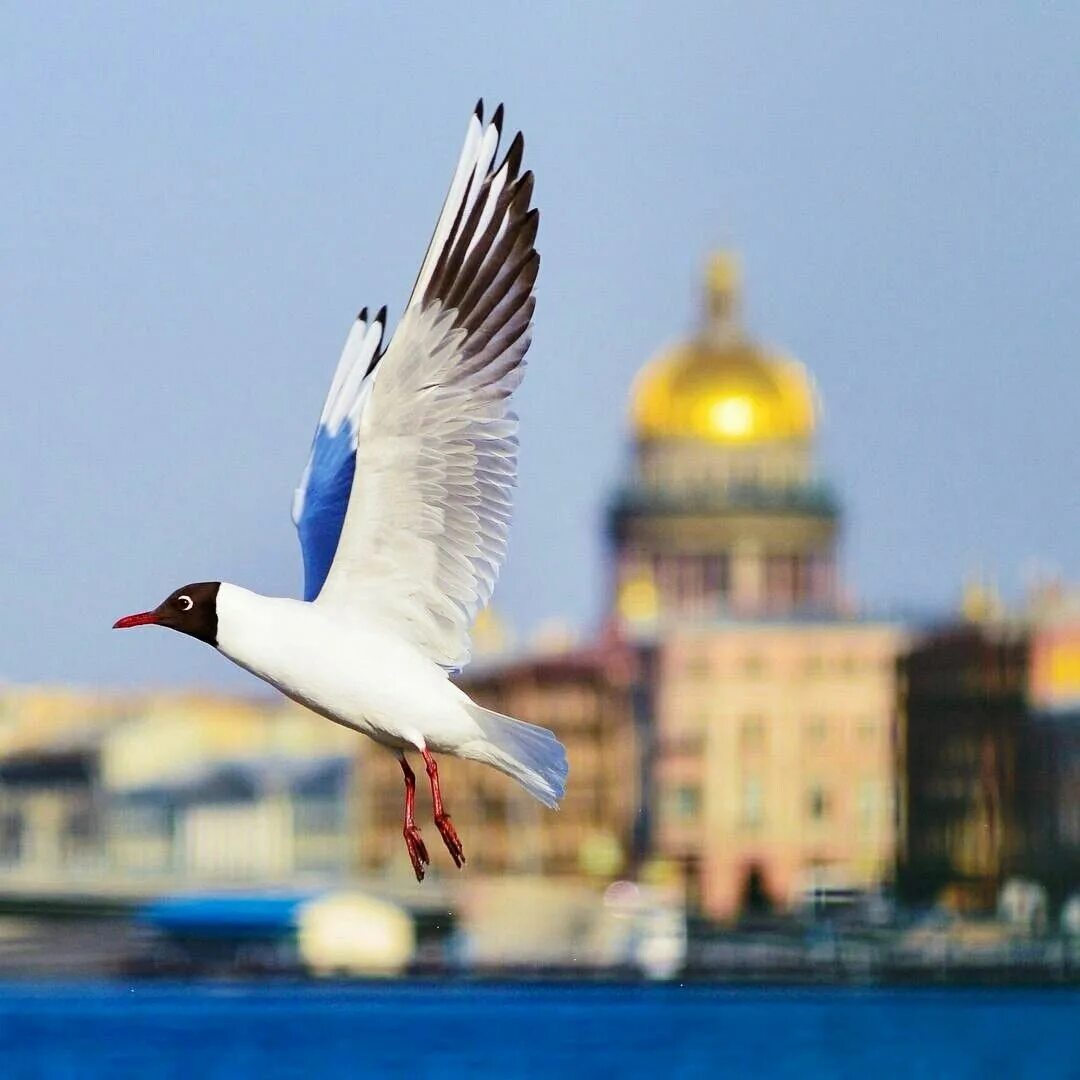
x: 244, y: 1030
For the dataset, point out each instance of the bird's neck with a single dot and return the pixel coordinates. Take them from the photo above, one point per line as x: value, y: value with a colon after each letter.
x: 255, y: 631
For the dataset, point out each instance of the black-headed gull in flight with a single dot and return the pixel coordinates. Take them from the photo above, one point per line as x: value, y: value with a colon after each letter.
x: 404, y: 507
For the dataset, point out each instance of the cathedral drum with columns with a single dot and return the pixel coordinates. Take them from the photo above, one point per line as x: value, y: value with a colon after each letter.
x: 724, y: 513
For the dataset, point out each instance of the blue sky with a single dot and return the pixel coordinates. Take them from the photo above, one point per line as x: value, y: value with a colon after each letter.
x: 194, y: 204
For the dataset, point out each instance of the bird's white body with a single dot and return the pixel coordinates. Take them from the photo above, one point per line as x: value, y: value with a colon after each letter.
x: 348, y: 668
x: 354, y: 670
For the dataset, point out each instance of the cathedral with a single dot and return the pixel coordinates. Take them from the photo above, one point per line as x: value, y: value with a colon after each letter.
x: 770, y: 750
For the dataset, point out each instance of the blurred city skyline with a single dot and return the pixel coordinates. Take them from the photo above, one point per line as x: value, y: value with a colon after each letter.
x: 197, y: 207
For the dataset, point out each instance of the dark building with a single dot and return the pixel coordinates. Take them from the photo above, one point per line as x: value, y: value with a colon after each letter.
x: 989, y: 769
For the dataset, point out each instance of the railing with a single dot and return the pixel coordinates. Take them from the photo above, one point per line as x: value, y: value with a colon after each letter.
x: 815, y: 498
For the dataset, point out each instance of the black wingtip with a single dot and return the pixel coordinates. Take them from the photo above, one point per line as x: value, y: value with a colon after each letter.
x: 497, y: 119
x: 514, y: 155
x: 362, y: 317
x: 478, y: 112
x: 523, y: 189
x: 380, y: 352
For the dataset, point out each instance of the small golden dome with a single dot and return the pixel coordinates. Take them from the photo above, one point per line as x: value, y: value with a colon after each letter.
x: 639, y: 599
x: 721, y: 386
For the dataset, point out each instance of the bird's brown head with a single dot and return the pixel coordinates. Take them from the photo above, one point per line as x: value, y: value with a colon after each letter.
x: 192, y: 610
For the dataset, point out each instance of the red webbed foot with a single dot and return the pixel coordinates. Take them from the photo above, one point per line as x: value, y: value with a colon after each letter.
x: 451, y: 839
x: 417, y: 850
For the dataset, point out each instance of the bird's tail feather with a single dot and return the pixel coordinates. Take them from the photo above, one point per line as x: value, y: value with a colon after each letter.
x: 530, y: 754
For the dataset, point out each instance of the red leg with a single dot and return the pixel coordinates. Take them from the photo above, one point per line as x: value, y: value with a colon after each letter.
x: 442, y: 818
x: 413, y: 840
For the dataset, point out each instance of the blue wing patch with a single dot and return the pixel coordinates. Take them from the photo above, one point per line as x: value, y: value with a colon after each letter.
x: 323, y: 495
x: 326, y: 498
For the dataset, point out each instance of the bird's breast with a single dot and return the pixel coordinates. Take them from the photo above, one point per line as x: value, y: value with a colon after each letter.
x: 355, y: 674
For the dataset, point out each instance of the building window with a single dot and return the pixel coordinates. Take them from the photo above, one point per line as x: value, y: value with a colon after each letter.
x: 717, y: 579
x: 11, y: 836
x: 805, y: 577
x: 319, y: 815
x: 685, y: 802
x: 752, y: 732
x: 687, y: 745
x: 780, y: 576
x: 144, y: 818
x: 688, y: 574
x: 869, y: 804
x: 753, y: 802
x: 82, y: 829
x: 817, y: 803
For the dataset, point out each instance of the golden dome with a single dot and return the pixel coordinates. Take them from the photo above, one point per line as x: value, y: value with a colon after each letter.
x: 721, y: 386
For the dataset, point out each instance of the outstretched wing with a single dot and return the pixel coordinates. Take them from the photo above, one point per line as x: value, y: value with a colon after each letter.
x: 427, y: 521
x: 320, y: 501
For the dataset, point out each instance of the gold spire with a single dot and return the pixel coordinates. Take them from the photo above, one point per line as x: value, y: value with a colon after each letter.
x: 723, y: 281
x: 981, y: 601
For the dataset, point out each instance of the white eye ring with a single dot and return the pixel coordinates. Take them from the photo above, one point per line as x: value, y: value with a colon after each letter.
x: 185, y: 602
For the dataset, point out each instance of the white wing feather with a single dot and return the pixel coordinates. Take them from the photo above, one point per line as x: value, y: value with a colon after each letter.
x: 426, y: 528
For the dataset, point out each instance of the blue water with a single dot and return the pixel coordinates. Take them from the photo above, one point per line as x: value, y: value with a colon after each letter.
x: 428, y: 1030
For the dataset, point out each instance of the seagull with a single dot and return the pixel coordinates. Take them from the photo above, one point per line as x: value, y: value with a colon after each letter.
x: 403, y: 509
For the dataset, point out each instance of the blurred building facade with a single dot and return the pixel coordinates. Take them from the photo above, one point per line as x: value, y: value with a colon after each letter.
x: 773, y: 770
x: 171, y: 787
x: 990, y: 754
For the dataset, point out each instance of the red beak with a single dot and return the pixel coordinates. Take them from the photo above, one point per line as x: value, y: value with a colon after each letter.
x: 144, y: 618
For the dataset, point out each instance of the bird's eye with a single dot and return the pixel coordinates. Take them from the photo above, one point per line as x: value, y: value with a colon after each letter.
x: 185, y: 602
